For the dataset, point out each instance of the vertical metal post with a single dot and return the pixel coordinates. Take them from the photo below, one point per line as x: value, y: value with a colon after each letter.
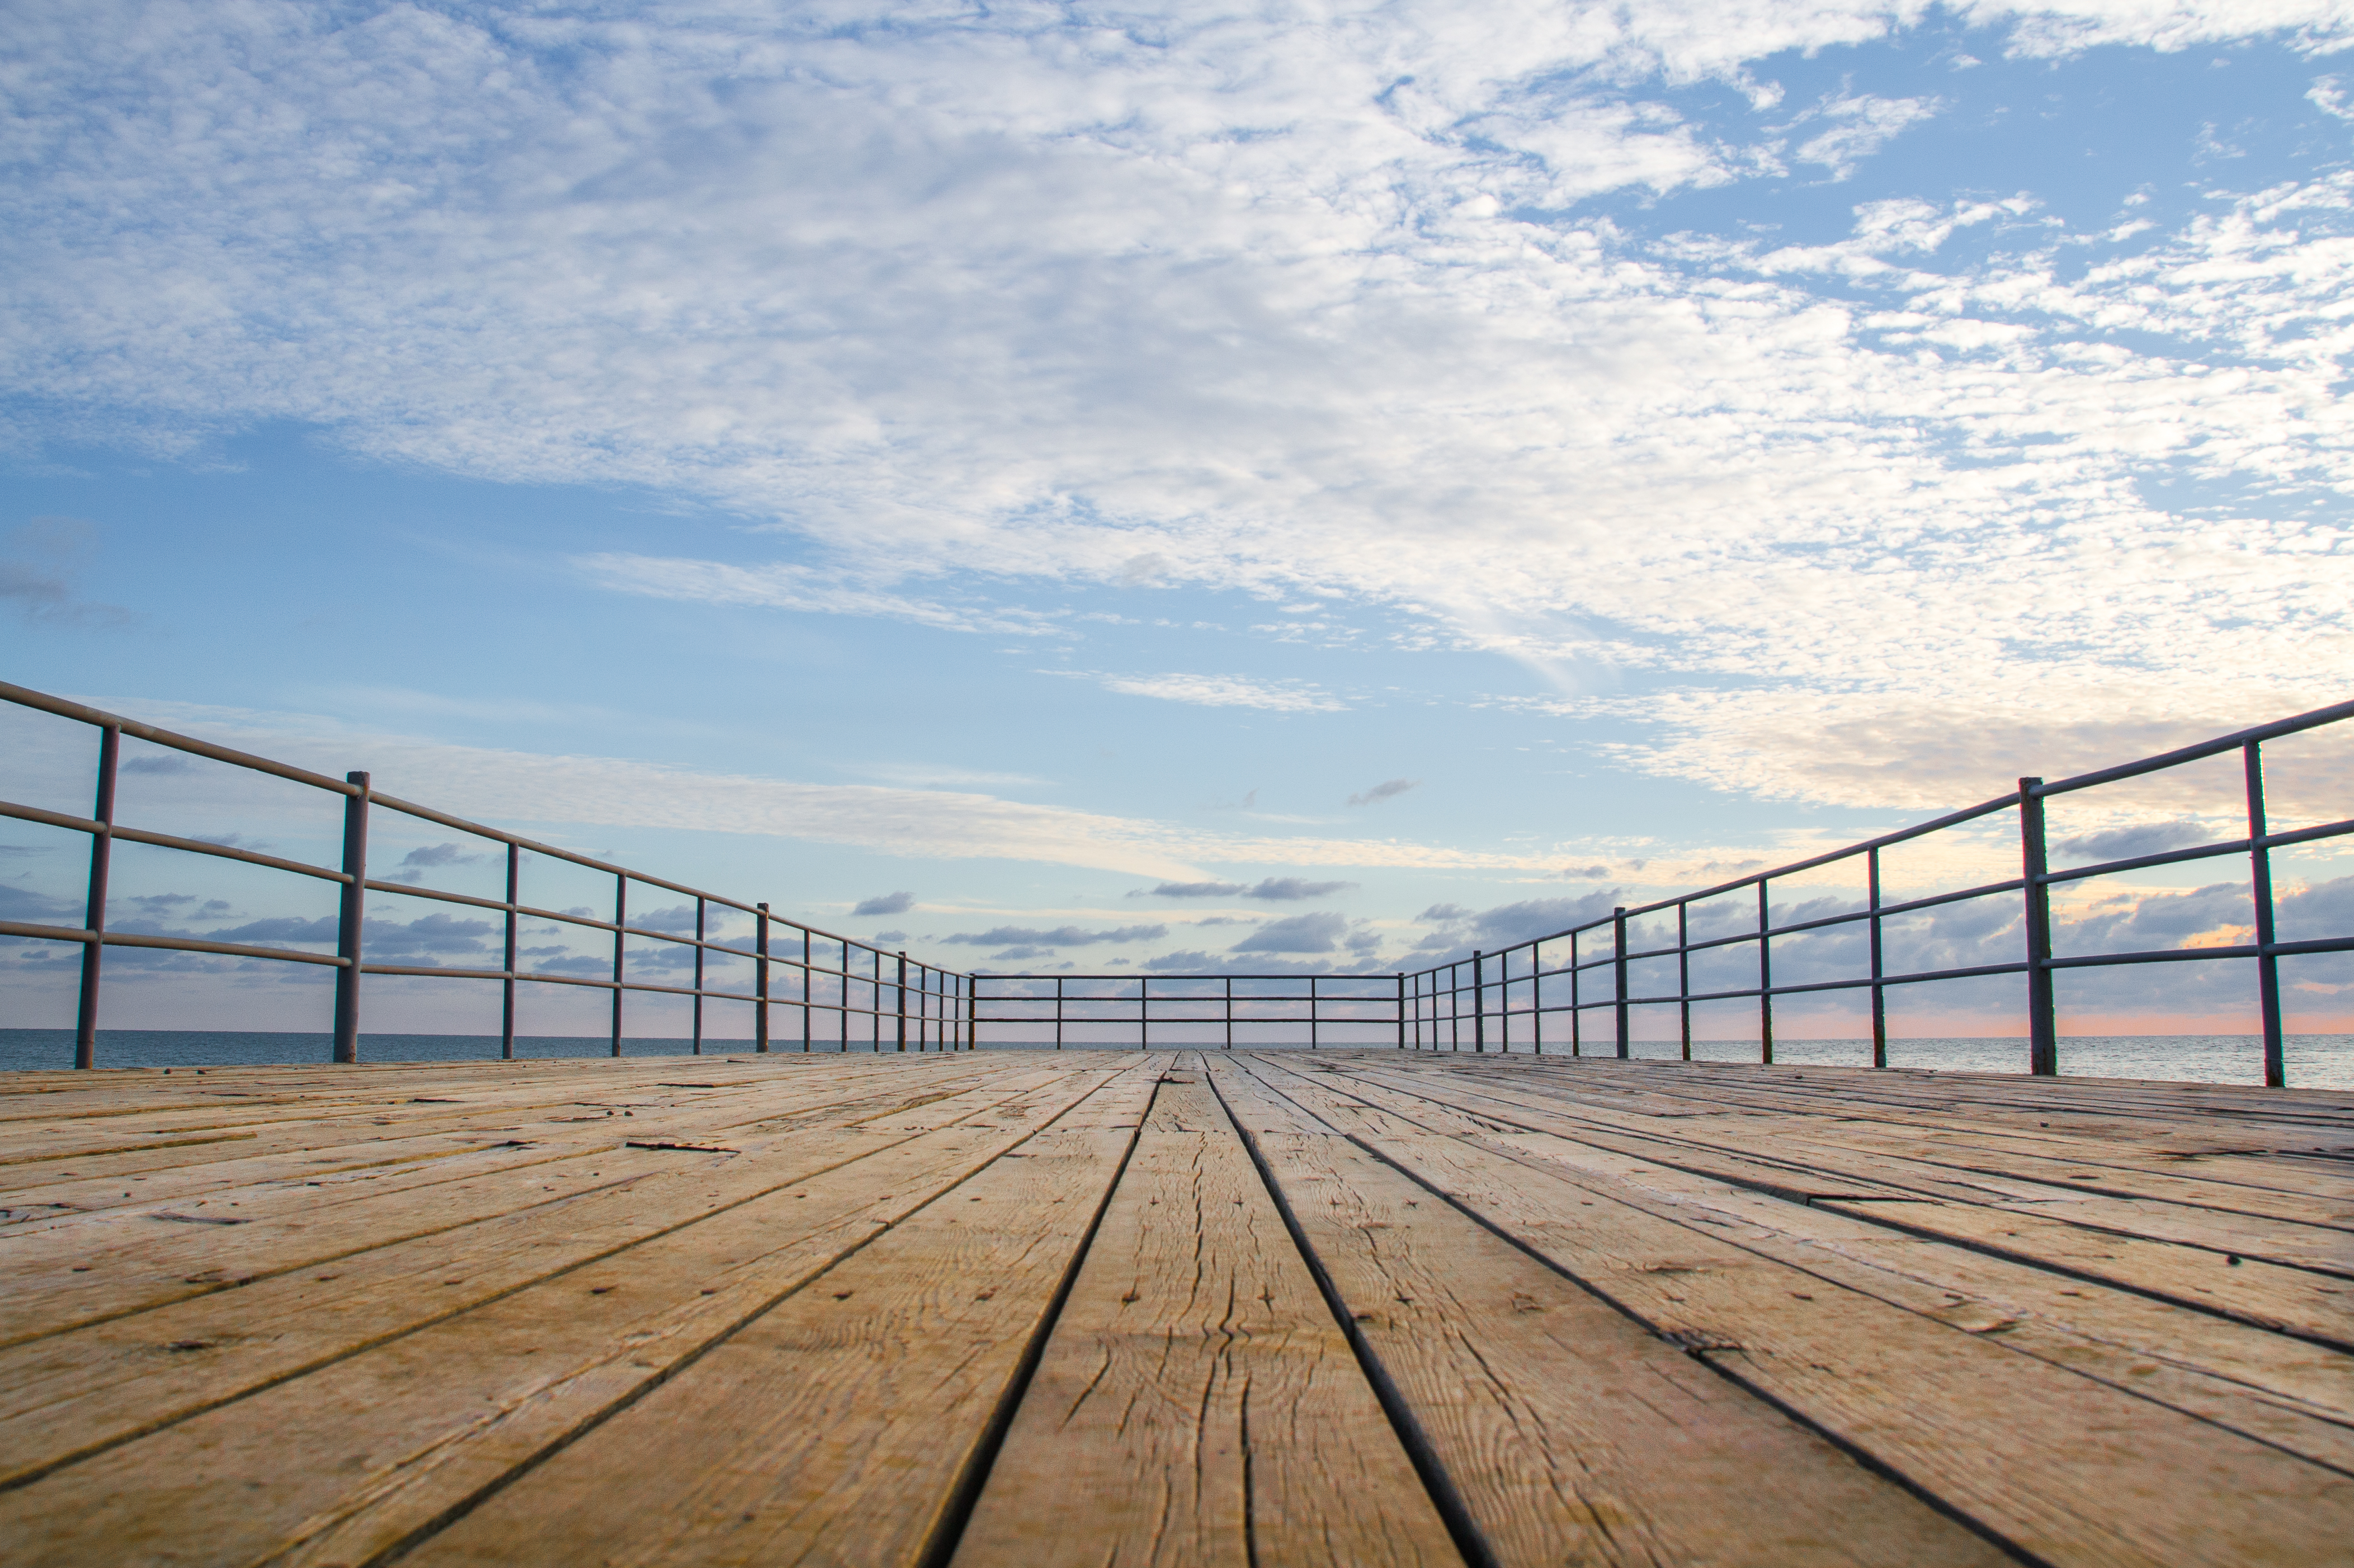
x: 806, y: 984
x: 874, y: 1001
x: 760, y: 983
x: 2260, y: 888
x: 1764, y: 976
x: 698, y: 976
x: 101, y: 856
x: 1058, y: 1012
x: 507, y: 1011
x: 899, y: 989
x: 1230, y: 1012
x: 1536, y: 995
x: 350, y: 916
x: 2042, y: 1021
x: 972, y: 1013
x: 1311, y: 1012
x: 841, y: 1013
x: 1618, y: 970
x: 1454, y: 1006
x: 1878, y: 992
x: 1504, y: 998
x: 1144, y: 1013
x: 620, y: 919
x: 1479, y: 1001
x: 1683, y: 972
x: 1576, y: 1014
x: 1401, y: 1010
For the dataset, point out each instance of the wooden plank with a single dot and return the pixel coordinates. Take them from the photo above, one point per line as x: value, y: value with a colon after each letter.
x: 2206, y: 1164
x: 2285, y: 1276
x: 1572, y: 1434
x: 1196, y: 1402
x: 74, y: 1393
x: 402, y: 1430
x: 836, y: 1426
x: 2297, y: 1396
x: 186, y: 1145
x: 2063, y: 1467
x: 75, y: 1273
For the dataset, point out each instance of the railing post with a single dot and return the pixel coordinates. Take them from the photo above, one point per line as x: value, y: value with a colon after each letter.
x: 101, y: 856
x: 807, y: 985
x: 1878, y: 992
x: 899, y: 989
x: 1401, y: 1010
x: 698, y: 977
x: 1479, y: 1001
x: 1230, y: 1012
x: 1311, y: 1012
x: 1058, y: 1012
x: 620, y: 919
x: 1144, y: 1013
x: 1576, y: 1009
x: 972, y: 1013
x: 1618, y: 972
x: 508, y: 1006
x: 2043, y: 1022
x: 760, y: 982
x: 349, y: 919
x: 1765, y: 975
x: 1536, y: 996
x: 1683, y: 972
x: 2259, y: 888
x: 1504, y: 999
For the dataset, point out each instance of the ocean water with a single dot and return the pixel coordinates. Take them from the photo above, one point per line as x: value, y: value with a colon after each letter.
x: 2314, y: 1061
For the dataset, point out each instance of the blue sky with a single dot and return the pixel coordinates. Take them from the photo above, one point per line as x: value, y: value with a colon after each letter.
x: 1498, y: 461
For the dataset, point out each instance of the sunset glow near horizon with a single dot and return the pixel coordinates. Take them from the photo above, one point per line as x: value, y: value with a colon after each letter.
x: 1177, y: 488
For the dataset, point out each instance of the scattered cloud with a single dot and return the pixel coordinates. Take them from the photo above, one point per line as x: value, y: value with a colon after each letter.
x: 1389, y: 789
x: 1060, y: 936
x: 1319, y: 933
x: 1228, y: 691
x: 1275, y: 889
x: 2126, y: 842
x: 38, y: 573
x: 1858, y: 127
x: 886, y: 903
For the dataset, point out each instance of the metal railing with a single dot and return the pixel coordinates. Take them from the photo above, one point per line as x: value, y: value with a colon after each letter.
x: 1435, y: 999
x: 1197, y: 1011
x: 1447, y: 1006
x: 903, y: 1003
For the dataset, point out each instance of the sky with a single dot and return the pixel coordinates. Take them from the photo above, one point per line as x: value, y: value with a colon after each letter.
x: 1067, y: 487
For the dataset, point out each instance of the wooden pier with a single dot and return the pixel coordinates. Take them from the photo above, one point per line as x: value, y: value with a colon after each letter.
x: 1089, y: 1307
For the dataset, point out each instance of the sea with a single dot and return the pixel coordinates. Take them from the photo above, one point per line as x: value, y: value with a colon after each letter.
x: 2314, y: 1061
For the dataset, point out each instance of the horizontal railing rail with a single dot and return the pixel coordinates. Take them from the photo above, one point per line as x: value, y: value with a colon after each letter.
x: 905, y: 1003
x: 1438, y: 1014
x: 851, y: 994
x: 1196, y: 1010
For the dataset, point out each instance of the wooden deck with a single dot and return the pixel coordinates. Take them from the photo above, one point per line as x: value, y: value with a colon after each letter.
x: 1270, y: 1308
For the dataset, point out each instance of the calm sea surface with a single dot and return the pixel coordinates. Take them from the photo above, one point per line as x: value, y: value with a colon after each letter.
x: 2314, y: 1061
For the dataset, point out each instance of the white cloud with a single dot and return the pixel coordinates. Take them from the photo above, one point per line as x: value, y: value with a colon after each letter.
x: 1228, y: 691
x: 504, y: 787
x: 1859, y: 125
x: 966, y: 302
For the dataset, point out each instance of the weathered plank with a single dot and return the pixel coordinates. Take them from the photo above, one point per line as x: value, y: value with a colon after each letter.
x: 2288, y: 1277
x: 408, y: 1427
x: 2064, y: 1467
x: 1572, y: 1434
x: 837, y: 1425
x: 1196, y: 1402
